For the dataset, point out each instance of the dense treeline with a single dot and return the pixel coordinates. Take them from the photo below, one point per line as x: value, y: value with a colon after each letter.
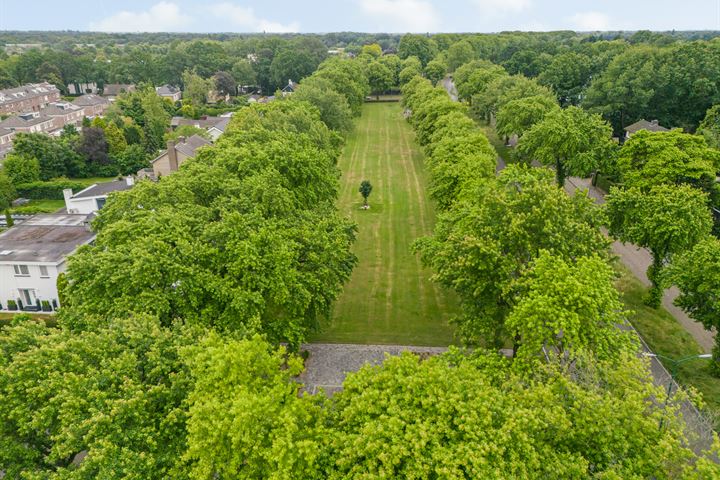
x: 531, y: 268
x: 244, y: 240
x: 666, y: 187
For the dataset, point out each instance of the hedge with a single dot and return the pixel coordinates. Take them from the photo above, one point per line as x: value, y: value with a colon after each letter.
x: 52, y: 190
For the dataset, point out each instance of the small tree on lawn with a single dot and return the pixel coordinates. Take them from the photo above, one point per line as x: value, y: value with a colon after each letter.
x: 365, y: 189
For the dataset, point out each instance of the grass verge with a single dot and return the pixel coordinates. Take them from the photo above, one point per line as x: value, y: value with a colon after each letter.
x: 665, y: 336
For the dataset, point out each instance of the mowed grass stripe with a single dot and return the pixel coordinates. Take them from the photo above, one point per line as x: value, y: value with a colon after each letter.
x: 389, y: 299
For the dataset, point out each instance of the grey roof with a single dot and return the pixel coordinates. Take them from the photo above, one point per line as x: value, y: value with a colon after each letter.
x: 643, y: 124
x: 187, y: 147
x: 167, y: 90
x: 59, y: 109
x: 45, y: 238
x: 191, y: 144
x: 114, y: 89
x: 206, y: 122
x: 90, y: 100
x: 222, y: 124
x: 30, y: 90
x: 19, y: 122
x: 103, y: 189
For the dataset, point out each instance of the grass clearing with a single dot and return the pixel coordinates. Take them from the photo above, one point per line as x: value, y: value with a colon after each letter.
x: 40, y: 206
x: 665, y: 336
x: 389, y: 298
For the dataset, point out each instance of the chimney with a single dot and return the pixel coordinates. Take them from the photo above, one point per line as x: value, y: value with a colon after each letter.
x: 172, y: 155
x: 67, y: 195
x: 130, y: 180
x: 654, y: 123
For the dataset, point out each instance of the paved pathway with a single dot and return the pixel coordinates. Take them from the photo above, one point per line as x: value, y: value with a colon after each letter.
x: 329, y: 363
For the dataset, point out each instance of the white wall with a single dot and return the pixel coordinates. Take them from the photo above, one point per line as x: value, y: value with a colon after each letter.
x: 45, y: 288
x: 81, y: 205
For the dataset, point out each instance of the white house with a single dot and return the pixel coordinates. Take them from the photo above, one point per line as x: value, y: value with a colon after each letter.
x: 33, y: 254
x: 93, y: 198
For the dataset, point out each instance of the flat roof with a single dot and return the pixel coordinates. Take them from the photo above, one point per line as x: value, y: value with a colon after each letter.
x: 47, y: 238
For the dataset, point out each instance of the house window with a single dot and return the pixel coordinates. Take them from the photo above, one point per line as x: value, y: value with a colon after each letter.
x: 100, y: 202
x: 21, y: 270
x: 44, y: 272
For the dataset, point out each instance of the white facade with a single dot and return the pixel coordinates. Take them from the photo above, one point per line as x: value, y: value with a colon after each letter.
x: 93, y: 198
x: 33, y: 254
x: 85, y: 205
x: 32, y: 288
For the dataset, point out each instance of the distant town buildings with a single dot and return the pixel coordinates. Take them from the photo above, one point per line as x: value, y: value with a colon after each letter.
x: 28, y: 98
x: 33, y: 254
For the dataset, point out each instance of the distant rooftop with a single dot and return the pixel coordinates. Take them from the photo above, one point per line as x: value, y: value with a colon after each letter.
x: 642, y: 124
x: 167, y: 90
x: 103, y: 189
x: 48, y: 238
x: 89, y: 100
x: 30, y: 90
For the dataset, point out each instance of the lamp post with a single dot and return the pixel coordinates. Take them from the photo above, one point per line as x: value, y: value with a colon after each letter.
x: 673, y: 370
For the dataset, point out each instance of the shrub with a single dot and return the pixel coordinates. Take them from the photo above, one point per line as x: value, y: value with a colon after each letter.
x: 12, y: 305
x: 46, y: 306
x: 52, y: 190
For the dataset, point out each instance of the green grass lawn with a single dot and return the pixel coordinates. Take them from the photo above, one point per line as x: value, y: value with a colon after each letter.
x: 390, y: 298
x: 40, y: 206
x: 665, y: 336
x: 502, y: 150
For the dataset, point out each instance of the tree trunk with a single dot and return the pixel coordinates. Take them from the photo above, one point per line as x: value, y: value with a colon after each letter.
x: 654, y: 296
x: 559, y: 173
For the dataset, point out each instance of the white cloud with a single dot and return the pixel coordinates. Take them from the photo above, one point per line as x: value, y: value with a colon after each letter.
x: 590, y: 21
x: 403, y: 15
x: 497, y: 7
x: 161, y: 17
x: 244, y: 18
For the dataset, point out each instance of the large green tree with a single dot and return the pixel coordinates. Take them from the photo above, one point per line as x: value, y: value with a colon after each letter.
x: 565, y: 308
x: 697, y: 275
x: 666, y: 219
x: 672, y: 158
x: 458, y: 417
x: 420, y: 46
x: 481, y: 246
x: 571, y: 140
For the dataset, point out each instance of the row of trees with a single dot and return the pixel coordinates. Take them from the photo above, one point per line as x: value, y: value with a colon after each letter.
x: 173, y: 316
x: 531, y: 268
x: 268, y: 61
x: 624, y: 79
x: 667, y: 179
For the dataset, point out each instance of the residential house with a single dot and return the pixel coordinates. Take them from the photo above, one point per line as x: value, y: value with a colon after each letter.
x: 33, y: 254
x: 254, y: 98
x: 289, y: 88
x: 112, y: 90
x: 168, y: 91
x: 642, y: 124
x: 93, y: 105
x: 31, y: 97
x: 63, y: 113
x: 215, y: 126
x: 177, y: 152
x: 93, y: 198
x: 82, y: 88
x: 31, y: 122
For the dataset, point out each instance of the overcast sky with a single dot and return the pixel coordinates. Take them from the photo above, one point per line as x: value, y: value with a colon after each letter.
x: 358, y: 15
